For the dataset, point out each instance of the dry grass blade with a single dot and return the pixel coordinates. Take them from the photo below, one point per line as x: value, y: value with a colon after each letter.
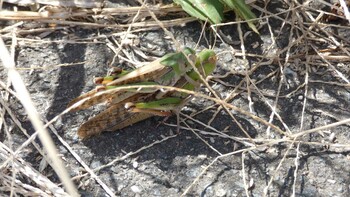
x: 19, y: 86
x: 64, y: 13
x: 18, y: 165
x: 63, y: 3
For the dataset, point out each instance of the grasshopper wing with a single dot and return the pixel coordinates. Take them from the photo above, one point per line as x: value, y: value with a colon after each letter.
x: 94, y: 97
x: 114, y: 118
x: 146, y: 73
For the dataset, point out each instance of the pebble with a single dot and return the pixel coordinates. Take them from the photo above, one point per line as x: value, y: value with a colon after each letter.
x: 135, y: 189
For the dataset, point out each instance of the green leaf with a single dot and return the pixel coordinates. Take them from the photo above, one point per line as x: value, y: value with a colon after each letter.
x: 243, y: 11
x: 203, y: 9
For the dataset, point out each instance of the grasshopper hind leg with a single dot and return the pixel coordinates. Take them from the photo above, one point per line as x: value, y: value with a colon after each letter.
x: 102, y: 121
x: 113, y: 118
x: 130, y: 119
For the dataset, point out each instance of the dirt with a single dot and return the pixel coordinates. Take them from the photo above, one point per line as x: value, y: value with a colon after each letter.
x: 171, y: 166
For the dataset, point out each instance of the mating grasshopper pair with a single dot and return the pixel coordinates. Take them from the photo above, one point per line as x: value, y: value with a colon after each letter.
x: 133, y: 104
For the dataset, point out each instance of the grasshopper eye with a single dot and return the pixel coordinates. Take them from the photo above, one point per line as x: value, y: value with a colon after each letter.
x: 213, y: 59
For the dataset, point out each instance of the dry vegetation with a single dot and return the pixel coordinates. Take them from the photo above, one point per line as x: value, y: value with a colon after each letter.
x: 315, y: 51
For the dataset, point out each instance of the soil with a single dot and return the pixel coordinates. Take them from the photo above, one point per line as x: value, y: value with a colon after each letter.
x: 179, y: 160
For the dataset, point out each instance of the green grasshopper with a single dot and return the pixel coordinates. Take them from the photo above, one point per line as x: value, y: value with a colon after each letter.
x: 134, y: 104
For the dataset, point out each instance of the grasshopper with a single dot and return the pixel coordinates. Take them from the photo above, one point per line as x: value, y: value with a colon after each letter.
x: 134, y: 104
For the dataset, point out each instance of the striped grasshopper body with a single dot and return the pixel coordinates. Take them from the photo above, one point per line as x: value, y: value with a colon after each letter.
x: 131, y: 105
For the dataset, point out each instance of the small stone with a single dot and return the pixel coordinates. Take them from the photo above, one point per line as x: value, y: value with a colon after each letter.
x: 135, y: 164
x: 135, y: 189
x: 95, y: 164
x: 212, y: 140
x: 220, y: 192
x: 331, y: 181
x: 193, y: 172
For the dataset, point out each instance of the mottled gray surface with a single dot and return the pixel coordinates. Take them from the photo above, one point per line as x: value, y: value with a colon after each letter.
x: 168, y: 168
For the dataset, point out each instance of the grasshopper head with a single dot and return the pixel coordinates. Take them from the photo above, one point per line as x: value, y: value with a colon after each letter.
x: 207, y: 60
